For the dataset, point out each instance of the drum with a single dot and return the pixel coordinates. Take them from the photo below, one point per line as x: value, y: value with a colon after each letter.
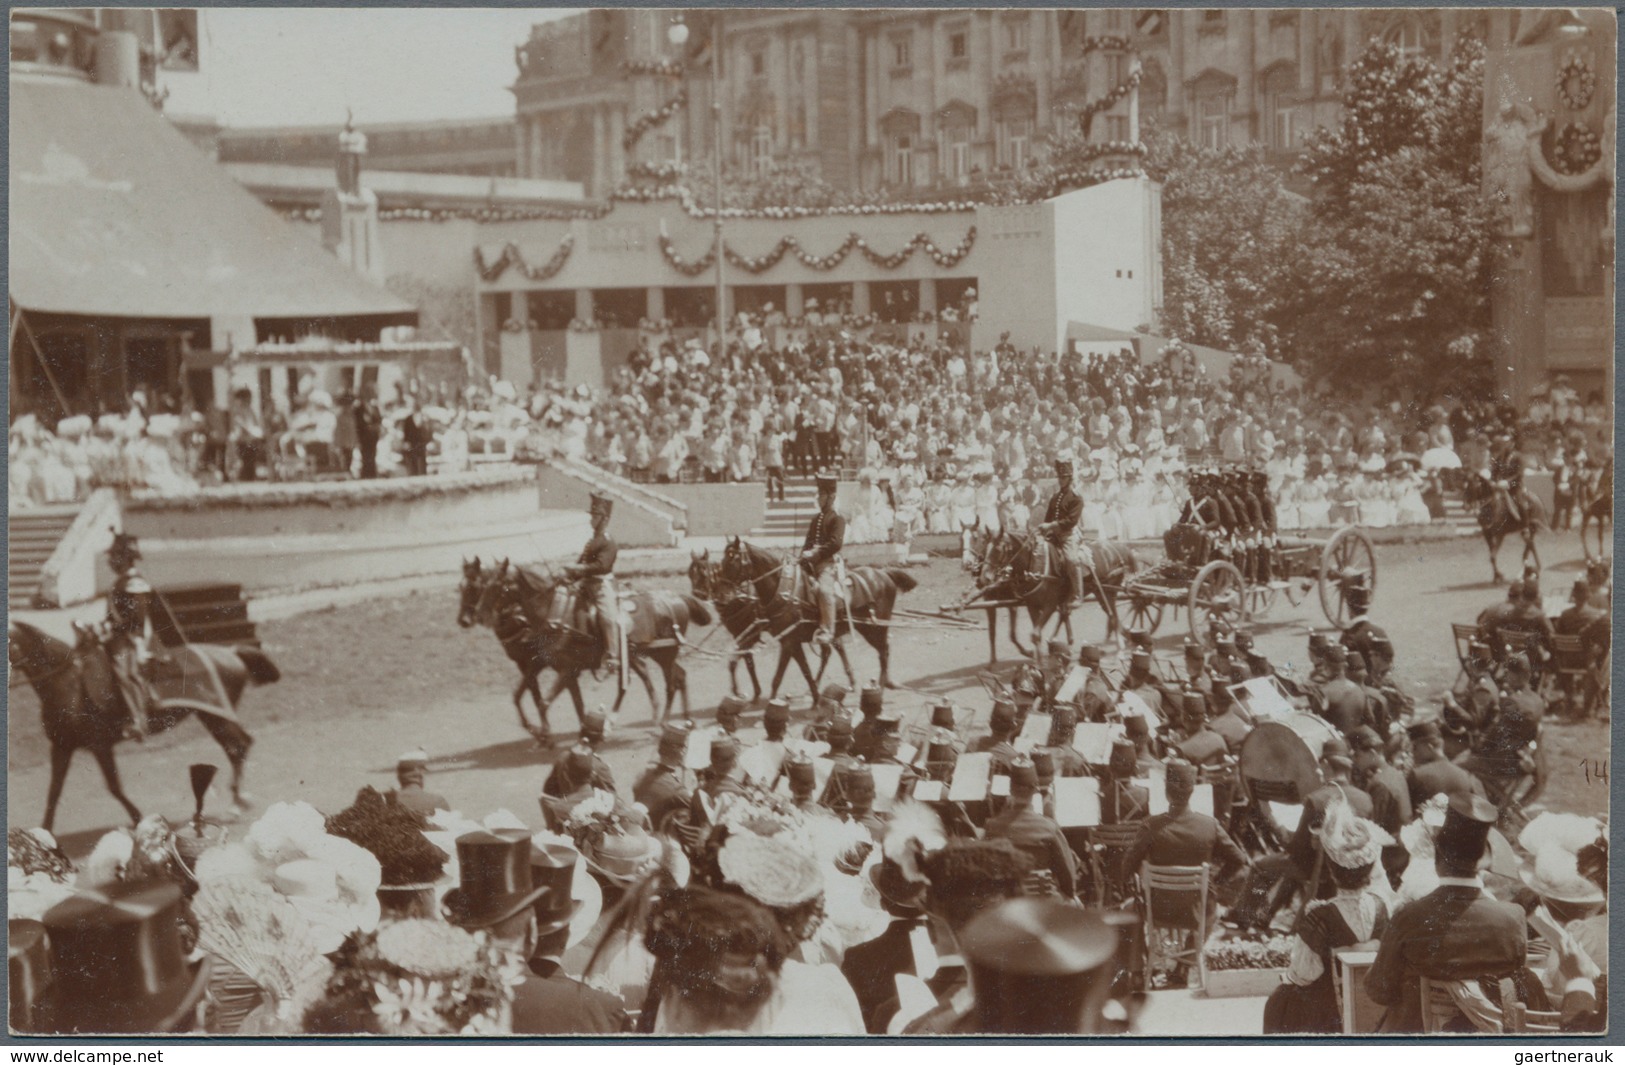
x: 1284, y: 756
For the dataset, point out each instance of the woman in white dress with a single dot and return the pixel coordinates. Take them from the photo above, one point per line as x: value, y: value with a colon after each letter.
x: 1111, y: 516
x: 987, y: 499
x: 1139, y: 519
x: 910, y: 518
x: 1093, y: 493
x: 964, y: 501
x: 1410, y: 508
x: 1286, y: 503
x: 859, y: 514
x: 1314, y: 503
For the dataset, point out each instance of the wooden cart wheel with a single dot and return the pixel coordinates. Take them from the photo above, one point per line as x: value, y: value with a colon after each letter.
x: 1347, y: 556
x: 1218, y: 597
x: 1260, y: 600
x: 1138, y: 610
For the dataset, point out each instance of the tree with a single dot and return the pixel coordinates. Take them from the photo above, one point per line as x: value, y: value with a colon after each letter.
x: 1395, y: 273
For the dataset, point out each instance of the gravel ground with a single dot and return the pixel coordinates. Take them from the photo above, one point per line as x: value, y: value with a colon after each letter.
x: 363, y: 682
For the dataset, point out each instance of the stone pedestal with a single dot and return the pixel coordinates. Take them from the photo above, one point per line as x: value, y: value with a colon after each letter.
x: 350, y: 231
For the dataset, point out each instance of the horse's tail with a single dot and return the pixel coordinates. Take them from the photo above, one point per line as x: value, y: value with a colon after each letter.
x: 697, y: 611
x: 902, y: 578
x: 261, y: 670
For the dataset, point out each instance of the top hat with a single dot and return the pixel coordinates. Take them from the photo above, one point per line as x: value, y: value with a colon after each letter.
x: 1039, y: 967
x: 1466, y: 831
x: 572, y: 903
x: 942, y: 715
x: 600, y: 505
x: 494, y: 880
x: 777, y: 712
x: 117, y: 963
x: 870, y: 700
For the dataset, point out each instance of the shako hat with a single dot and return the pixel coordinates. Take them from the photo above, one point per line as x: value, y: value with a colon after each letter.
x: 600, y: 506
x: 825, y: 481
x: 777, y: 712
x: 871, y: 700
x: 942, y: 715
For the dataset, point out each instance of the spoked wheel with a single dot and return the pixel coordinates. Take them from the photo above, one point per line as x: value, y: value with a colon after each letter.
x: 1218, y: 598
x: 1260, y: 600
x: 1138, y: 610
x: 1347, y: 557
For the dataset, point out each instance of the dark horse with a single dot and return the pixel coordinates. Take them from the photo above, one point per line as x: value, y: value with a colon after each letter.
x: 1009, y: 567
x: 80, y: 704
x: 655, y: 631
x: 1597, y: 504
x: 741, y: 614
x: 792, y: 616
x: 518, y: 640
x: 1496, y: 522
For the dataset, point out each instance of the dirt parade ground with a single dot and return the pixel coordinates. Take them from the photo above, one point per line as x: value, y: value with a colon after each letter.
x: 362, y: 683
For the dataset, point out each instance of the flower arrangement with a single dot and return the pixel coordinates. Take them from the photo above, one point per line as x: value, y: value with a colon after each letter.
x: 417, y: 977
x: 1576, y: 82
x: 512, y: 256
x: 600, y: 815
x: 1575, y: 149
x: 664, y: 173
x: 1274, y: 952
x: 393, y: 834
x: 38, y: 874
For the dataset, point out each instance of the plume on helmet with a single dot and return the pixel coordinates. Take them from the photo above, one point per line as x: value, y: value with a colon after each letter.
x: 914, y: 831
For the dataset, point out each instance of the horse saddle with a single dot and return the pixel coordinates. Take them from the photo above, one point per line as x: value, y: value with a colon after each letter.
x: 105, y: 689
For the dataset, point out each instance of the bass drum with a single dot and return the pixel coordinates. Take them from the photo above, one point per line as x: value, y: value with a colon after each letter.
x: 1280, y: 759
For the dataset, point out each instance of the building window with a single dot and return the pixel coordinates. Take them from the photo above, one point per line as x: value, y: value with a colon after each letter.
x: 1213, y: 120
x: 902, y: 53
x: 959, y: 45
x: 956, y: 154
x: 902, y: 159
x: 1406, y: 36
x: 1280, y: 117
x: 1012, y: 137
x: 761, y: 150
x: 758, y: 64
x: 1017, y: 34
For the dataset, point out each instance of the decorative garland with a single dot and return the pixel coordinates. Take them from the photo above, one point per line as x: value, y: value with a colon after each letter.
x: 1576, y: 83
x: 1106, y: 42
x: 1575, y: 149
x: 589, y: 213
x: 1118, y: 92
x: 946, y: 259
x: 654, y: 119
x: 696, y: 210
x: 512, y: 256
x: 660, y: 173
x: 658, y: 68
x: 1083, y: 179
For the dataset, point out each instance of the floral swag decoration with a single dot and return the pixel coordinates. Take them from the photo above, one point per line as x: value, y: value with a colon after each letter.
x: 512, y: 256
x: 1575, y: 149
x: 787, y: 245
x: 653, y: 120
x: 1576, y: 82
x: 657, y: 68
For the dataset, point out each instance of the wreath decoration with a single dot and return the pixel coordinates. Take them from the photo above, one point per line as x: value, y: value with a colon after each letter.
x: 1575, y: 149
x: 512, y: 256
x: 1576, y: 81
x: 945, y: 258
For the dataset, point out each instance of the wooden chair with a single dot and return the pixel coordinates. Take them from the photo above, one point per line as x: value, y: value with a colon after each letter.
x: 1181, y: 880
x: 1350, y: 964
x: 1438, y: 1005
x: 1463, y: 635
x: 1109, y: 845
x: 1441, y: 1005
x: 1573, y: 672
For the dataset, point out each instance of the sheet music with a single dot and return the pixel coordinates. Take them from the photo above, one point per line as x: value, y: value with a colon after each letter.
x: 1077, y: 802
x: 1201, y: 798
x: 1094, y: 741
x: 971, y: 777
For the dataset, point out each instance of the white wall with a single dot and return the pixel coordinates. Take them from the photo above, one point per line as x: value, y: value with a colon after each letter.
x: 1107, y: 255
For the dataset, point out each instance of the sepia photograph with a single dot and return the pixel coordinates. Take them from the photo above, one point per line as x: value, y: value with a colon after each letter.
x: 784, y: 522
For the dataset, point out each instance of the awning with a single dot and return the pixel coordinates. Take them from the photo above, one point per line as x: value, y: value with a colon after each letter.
x: 115, y: 213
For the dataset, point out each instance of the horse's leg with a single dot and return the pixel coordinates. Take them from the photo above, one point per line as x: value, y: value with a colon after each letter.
x: 1014, y: 638
x: 527, y: 682
x: 560, y: 683
x: 787, y: 652
x: 641, y: 668
x: 799, y: 654
x: 60, y: 758
x: 993, y: 636
x: 750, y: 669
x: 733, y: 672
x: 876, y: 636
x: 1529, y: 548
x: 109, y: 768
x: 1494, y: 544
x: 235, y: 741
x: 846, y: 662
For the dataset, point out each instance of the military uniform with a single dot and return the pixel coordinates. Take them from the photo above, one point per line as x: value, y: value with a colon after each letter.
x: 661, y: 790
x: 129, y: 632
x: 594, y: 575
x: 826, y: 535
x: 1061, y: 517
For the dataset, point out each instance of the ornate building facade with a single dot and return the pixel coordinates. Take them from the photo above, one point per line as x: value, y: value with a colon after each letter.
x: 934, y: 99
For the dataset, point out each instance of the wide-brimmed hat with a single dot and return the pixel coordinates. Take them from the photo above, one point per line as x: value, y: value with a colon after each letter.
x: 770, y: 870
x: 622, y: 857
x: 117, y: 963
x: 493, y: 871
x: 1350, y: 840
x: 1554, y: 873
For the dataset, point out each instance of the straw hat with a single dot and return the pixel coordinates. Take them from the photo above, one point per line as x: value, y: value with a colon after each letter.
x: 1554, y: 873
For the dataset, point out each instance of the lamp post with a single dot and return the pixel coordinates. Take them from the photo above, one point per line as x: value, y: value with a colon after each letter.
x: 677, y: 34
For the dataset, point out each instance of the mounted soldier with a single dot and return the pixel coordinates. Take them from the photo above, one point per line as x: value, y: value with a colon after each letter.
x: 1060, y: 525
x: 597, y: 611
x: 820, y: 556
x: 1505, y: 476
x: 128, y: 632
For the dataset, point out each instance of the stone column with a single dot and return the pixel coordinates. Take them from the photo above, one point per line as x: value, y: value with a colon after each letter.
x: 655, y: 301
x: 600, y: 155
x: 928, y: 294
x: 794, y: 305
x: 540, y: 156
x: 584, y: 304
x: 860, y: 297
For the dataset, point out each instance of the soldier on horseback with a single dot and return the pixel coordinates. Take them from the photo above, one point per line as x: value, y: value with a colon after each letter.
x: 820, y: 554
x: 1505, y: 476
x: 1060, y: 524
x: 128, y: 632
x: 594, y: 577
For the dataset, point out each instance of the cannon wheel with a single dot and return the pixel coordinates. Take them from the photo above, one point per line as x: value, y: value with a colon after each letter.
x: 1347, y: 554
x: 1218, y: 596
x: 1138, y: 610
x: 1260, y: 600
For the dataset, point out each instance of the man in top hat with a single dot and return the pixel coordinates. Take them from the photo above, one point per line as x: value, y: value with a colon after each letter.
x: 1456, y: 932
x: 1431, y: 773
x: 129, y: 632
x: 820, y: 551
x: 411, y: 771
x: 594, y: 574
x: 578, y: 770
x: 872, y: 967
x: 550, y: 1001
x: 1183, y: 836
x: 664, y: 787
x: 1033, y: 833
x: 116, y: 965
x: 1061, y: 516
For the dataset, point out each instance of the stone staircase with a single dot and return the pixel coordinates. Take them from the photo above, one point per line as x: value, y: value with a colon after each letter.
x: 34, y: 536
x: 204, y: 613
x: 787, y: 520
